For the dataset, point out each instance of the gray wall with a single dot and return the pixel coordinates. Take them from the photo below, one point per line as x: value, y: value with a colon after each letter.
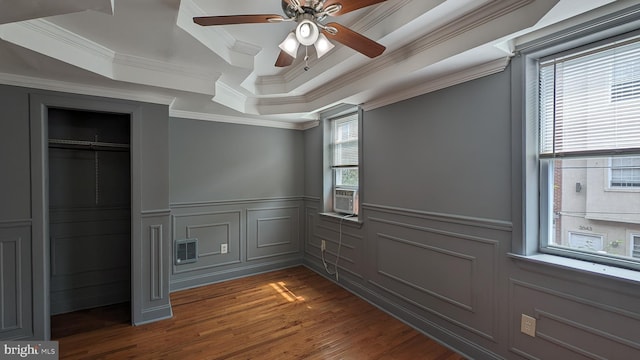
x: 15, y: 215
x: 24, y: 212
x: 237, y: 185
x: 221, y: 183
x: 433, y: 246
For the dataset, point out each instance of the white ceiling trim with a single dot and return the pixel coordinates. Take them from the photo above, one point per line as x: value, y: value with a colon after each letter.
x: 387, y: 65
x: 442, y: 82
x: 295, y: 76
x: 54, y: 41
x: 167, y: 75
x: 83, y: 89
x: 231, y: 98
x: 59, y: 43
x: 242, y: 121
x: 233, y: 51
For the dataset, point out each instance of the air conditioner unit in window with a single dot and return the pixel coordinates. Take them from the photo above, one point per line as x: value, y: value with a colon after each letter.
x: 345, y: 201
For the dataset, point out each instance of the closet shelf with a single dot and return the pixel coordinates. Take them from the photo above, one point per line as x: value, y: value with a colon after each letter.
x: 87, y: 145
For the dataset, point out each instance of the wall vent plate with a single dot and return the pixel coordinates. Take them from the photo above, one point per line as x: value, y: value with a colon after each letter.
x: 186, y: 251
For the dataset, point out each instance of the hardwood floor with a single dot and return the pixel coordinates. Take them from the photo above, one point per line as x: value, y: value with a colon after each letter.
x: 82, y: 321
x: 286, y: 314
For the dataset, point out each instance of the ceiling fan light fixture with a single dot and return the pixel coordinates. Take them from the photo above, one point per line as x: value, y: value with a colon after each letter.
x: 323, y: 45
x: 307, y: 32
x: 290, y: 45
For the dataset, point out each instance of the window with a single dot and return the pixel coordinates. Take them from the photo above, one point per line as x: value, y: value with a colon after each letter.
x: 625, y: 172
x: 589, y: 152
x: 635, y: 246
x: 345, y: 151
x: 344, y: 163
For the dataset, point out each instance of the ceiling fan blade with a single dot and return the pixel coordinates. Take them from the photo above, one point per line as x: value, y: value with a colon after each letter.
x: 284, y: 59
x: 237, y: 19
x: 354, y: 40
x: 350, y: 5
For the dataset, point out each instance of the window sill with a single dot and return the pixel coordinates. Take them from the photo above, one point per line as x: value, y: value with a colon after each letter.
x: 347, y: 219
x: 585, y: 267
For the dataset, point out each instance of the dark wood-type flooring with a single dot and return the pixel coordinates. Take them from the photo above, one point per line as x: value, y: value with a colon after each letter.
x: 286, y: 314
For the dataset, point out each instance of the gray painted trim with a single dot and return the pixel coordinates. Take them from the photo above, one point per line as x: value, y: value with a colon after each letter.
x: 7, y: 224
x: 442, y: 217
x: 39, y: 104
x: 178, y: 205
x: 231, y: 274
x: 154, y: 213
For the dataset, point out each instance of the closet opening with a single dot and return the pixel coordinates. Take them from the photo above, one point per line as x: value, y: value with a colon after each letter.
x: 89, y: 219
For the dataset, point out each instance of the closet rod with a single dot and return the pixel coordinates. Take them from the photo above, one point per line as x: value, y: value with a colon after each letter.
x: 88, y: 145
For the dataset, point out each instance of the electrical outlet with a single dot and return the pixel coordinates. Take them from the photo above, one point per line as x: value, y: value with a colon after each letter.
x: 323, y: 245
x: 528, y: 325
x: 223, y: 248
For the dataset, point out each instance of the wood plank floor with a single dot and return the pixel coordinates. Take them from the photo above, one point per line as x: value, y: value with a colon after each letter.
x: 286, y: 314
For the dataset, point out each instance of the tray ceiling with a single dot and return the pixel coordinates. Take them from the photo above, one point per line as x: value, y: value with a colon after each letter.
x: 150, y: 50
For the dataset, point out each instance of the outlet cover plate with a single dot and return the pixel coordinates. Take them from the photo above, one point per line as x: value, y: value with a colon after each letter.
x: 528, y: 325
x: 223, y: 248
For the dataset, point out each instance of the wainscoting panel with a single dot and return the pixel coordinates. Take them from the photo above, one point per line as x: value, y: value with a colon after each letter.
x: 156, y: 252
x: 15, y: 273
x: 259, y: 235
x: 443, y: 267
x: 571, y: 327
x: 212, y: 229
x: 272, y: 232
x: 343, y: 238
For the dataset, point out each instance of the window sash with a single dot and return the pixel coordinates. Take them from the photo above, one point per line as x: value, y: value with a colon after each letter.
x: 345, y: 141
x: 590, y: 101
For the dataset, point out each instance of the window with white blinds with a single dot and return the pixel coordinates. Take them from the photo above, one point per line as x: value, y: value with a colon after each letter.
x: 590, y: 101
x: 345, y: 137
x: 589, y: 152
x: 345, y: 151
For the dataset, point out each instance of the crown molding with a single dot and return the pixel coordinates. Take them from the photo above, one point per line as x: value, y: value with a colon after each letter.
x: 132, y: 95
x: 421, y: 56
x: 83, y: 89
x: 57, y: 42
x: 234, y: 52
x: 185, y: 114
x: 54, y: 41
x: 136, y: 69
x: 431, y: 85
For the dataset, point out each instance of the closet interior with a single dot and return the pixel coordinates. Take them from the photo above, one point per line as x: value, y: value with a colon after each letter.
x: 89, y: 210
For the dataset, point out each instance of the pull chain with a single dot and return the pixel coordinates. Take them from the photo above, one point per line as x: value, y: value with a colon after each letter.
x: 306, y: 58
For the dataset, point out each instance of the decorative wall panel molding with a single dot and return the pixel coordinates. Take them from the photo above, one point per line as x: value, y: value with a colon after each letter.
x: 272, y: 232
x: 212, y: 229
x: 570, y: 325
x: 350, y: 243
x: 15, y: 272
x: 156, y: 257
x: 260, y: 234
x: 438, y: 265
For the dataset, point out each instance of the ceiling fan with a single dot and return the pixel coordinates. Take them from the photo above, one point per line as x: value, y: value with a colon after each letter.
x: 310, y: 29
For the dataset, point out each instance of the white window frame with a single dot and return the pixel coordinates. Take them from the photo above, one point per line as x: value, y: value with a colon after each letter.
x: 532, y: 220
x: 612, y: 168
x: 328, y: 170
x: 633, y: 238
